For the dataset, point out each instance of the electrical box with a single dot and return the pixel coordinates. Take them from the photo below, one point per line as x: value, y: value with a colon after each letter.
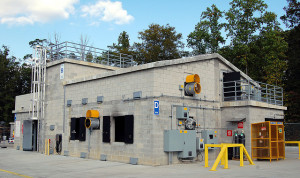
x: 209, y: 137
x: 173, y: 141
x: 182, y: 112
x: 181, y: 141
x: 189, y: 145
x: 199, y: 144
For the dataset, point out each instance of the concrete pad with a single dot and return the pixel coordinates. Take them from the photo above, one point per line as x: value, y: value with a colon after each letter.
x: 33, y: 164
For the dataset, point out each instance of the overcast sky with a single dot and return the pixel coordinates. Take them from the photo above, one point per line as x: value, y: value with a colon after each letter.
x: 102, y: 21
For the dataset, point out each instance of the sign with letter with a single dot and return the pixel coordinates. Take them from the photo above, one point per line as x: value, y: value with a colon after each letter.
x: 229, y: 133
x: 156, y: 107
x: 62, y: 71
x: 240, y: 125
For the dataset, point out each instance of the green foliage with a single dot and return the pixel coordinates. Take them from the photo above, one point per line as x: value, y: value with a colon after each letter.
x: 15, y: 80
x: 207, y: 34
x: 292, y: 77
x: 158, y: 43
x: 245, y: 18
x: 292, y: 16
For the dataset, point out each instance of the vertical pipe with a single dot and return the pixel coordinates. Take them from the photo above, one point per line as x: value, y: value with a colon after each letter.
x: 235, y: 91
x: 45, y: 146
x: 64, y: 115
x: 249, y: 90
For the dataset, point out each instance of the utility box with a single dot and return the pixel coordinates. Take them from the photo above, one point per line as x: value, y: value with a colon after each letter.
x: 209, y: 137
x: 199, y: 144
x: 173, y: 141
x: 182, y: 112
x: 189, y: 145
x: 181, y: 141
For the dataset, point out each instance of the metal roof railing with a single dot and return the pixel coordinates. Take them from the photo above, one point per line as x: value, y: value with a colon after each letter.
x: 252, y: 90
x: 90, y: 54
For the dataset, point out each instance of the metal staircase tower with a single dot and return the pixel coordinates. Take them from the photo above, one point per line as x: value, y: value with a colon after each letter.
x: 38, y: 86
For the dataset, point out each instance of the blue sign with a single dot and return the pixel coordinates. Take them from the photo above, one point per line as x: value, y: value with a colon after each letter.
x: 156, y: 107
x: 15, y: 117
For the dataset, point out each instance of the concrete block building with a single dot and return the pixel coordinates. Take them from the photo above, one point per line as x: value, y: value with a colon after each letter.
x: 138, y: 104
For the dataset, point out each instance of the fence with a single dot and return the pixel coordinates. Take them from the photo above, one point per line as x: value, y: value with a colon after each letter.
x: 252, y: 90
x: 88, y: 53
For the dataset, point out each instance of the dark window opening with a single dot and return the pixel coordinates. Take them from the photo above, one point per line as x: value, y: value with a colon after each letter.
x: 78, y: 130
x: 232, y: 86
x: 124, y: 126
x: 119, y: 129
x: 106, y: 129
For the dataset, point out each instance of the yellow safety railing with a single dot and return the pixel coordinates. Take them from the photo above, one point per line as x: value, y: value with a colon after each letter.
x: 296, y: 142
x: 47, y: 146
x: 223, y: 155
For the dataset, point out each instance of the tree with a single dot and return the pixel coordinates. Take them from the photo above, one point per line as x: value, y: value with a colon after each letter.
x: 292, y: 74
x: 15, y: 80
x: 207, y: 34
x: 245, y: 18
x: 158, y: 43
x: 123, y: 46
x: 292, y: 16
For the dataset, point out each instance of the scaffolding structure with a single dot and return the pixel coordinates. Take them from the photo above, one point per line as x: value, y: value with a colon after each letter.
x: 38, y: 85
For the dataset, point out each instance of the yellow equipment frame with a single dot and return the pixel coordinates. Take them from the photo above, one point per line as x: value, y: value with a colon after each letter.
x: 224, y: 155
x: 296, y: 142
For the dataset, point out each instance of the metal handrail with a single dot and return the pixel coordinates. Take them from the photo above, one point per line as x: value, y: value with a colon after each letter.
x: 89, y: 53
x: 253, y: 90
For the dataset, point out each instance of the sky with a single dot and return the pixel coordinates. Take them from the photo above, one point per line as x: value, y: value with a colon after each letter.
x: 22, y: 21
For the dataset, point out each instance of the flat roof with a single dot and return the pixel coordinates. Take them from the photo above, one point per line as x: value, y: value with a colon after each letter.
x: 120, y: 71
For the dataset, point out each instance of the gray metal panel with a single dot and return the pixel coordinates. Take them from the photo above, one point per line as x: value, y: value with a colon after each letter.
x: 133, y: 161
x: 69, y: 103
x: 103, y: 157
x: 100, y: 99
x: 189, y: 146
x: 182, y: 112
x: 83, y: 154
x: 84, y: 101
x: 52, y: 127
x: 209, y: 137
x: 66, y: 153
x: 199, y: 144
x: 137, y: 95
x: 27, y: 135
x: 173, y: 140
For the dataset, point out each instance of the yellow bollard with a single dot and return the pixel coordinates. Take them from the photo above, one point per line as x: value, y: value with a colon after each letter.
x: 206, y: 155
x: 241, y: 156
x: 226, y: 158
x: 48, y: 145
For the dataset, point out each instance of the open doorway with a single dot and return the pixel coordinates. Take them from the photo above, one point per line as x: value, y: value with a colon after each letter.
x: 30, y: 135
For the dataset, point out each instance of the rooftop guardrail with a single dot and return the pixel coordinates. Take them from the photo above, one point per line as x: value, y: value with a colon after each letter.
x: 252, y: 90
x: 90, y: 54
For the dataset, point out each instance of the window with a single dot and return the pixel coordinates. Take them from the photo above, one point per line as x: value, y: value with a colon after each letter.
x: 78, y: 130
x: 106, y: 129
x: 124, y: 129
x: 123, y: 126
